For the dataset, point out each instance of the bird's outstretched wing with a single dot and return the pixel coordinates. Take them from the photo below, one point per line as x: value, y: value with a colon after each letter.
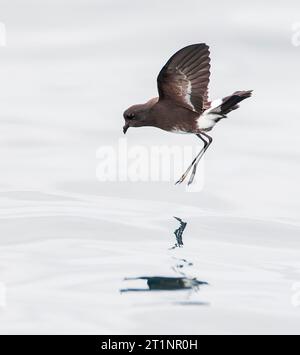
x: 185, y: 77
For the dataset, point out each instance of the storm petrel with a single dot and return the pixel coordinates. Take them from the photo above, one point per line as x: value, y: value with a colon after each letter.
x: 183, y: 105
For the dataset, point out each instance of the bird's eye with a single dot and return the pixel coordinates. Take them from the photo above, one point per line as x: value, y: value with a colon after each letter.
x: 130, y: 116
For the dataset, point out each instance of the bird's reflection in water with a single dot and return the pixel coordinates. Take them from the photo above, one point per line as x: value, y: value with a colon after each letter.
x: 161, y: 283
x: 182, y: 282
x: 178, y: 233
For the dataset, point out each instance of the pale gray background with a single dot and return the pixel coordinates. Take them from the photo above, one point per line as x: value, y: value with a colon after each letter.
x: 68, y: 71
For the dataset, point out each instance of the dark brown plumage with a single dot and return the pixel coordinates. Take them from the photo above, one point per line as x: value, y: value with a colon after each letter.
x: 185, y: 77
x: 182, y: 105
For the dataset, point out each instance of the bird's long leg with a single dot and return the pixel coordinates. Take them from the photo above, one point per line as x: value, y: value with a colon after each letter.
x: 194, y: 161
x: 199, y: 158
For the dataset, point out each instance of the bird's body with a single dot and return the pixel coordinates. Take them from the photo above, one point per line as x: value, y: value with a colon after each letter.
x: 183, y: 105
x: 167, y: 116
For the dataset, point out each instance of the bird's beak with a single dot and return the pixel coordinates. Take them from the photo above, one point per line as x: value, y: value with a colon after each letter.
x: 125, y: 128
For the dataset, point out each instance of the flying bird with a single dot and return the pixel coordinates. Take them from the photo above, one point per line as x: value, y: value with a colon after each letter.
x: 183, y: 105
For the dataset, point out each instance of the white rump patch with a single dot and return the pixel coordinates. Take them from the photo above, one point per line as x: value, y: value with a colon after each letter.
x: 215, y: 104
x: 208, y: 119
x: 205, y: 123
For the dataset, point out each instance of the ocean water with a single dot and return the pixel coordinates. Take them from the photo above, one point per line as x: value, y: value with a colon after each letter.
x: 79, y: 255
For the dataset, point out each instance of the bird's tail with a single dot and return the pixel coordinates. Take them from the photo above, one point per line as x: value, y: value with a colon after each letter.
x: 230, y: 103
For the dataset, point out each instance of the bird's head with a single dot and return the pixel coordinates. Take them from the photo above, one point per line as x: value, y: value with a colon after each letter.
x: 135, y: 116
x: 140, y: 115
